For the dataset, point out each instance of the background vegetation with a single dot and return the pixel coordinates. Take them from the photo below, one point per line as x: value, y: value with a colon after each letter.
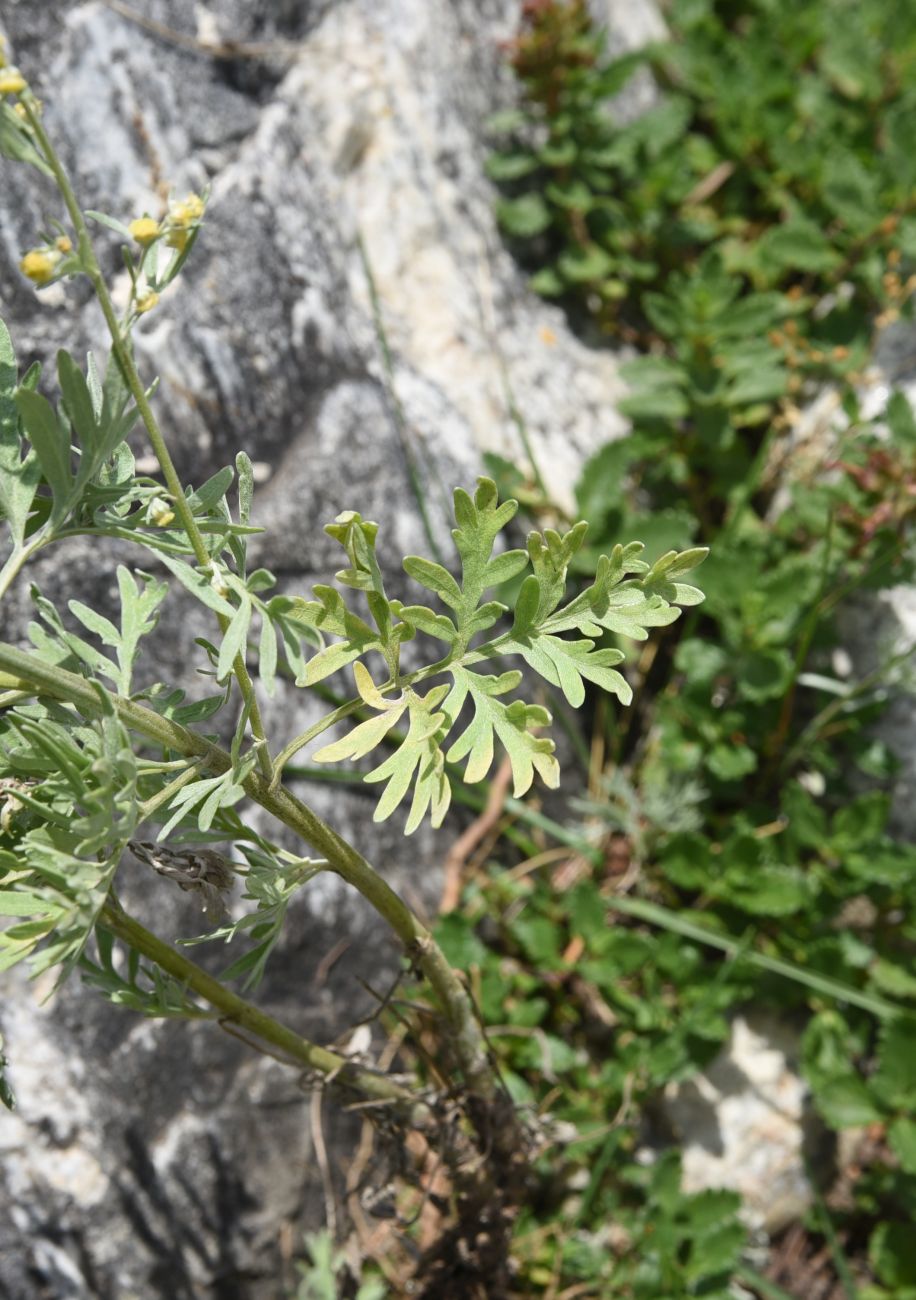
x: 751, y: 235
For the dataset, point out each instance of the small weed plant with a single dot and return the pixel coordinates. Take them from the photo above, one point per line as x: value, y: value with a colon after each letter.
x: 98, y: 762
x: 752, y: 235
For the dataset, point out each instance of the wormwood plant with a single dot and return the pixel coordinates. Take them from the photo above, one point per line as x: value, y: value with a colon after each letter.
x: 96, y: 760
x: 752, y: 235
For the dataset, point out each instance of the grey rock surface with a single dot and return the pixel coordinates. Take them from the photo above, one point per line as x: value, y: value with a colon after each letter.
x: 744, y: 1123
x: 151, y: 1159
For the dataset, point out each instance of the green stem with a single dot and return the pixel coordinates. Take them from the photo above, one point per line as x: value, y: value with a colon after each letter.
x: 465, y: 1033
x: 732, y: 948
x: 138, y: 392
x: 256, y: 1022
x: 300, y: 741
x: 164, y: 796
x: 15, y: 562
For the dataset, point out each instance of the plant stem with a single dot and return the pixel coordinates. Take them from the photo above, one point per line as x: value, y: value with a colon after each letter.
x: 15, y: 563
x: 825, y: 984
x: 256, y: 1022
x: 465, y: 1034
x: 131, y: 376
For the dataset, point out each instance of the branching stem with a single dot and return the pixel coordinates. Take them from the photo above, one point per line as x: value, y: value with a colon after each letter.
x: 258, y: 1023
x: 131, y: 376
x: 465, y: 1034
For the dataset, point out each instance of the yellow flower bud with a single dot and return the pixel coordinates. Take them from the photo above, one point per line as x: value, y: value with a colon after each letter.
x: 178, y: 238
x: 40, y: 264
x: 144, y: 230
x: 12, y: 82
x: 19, y: 110
x: 188, y: 211
x: 63, y: 244
x: 147, y: 301
x: 217, y: 582
x: 159, y: 513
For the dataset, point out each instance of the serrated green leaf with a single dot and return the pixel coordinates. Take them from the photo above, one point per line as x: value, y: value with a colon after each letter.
x: 893, y: 978
x: 901, y: 420
x: 731, y: 762
x: 587, y: 265
x: 800, y: 245
x: 892, y: 1255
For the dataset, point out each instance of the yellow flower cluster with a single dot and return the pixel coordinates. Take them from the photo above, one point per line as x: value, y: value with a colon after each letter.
x: 182, y: 217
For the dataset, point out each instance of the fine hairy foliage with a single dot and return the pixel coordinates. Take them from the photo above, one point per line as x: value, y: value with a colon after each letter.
x: 627, y: 596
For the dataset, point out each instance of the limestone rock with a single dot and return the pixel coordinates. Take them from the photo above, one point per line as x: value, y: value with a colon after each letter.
x: 742, y: 1123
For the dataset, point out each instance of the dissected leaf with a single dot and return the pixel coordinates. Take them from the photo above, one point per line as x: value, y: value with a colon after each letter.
x: 418, y: 760
x: 511, y: 723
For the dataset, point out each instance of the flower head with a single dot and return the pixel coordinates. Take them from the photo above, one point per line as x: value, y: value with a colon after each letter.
x: 159, y: 513
x: 184, y: 216
x: 147, y: 301
x: 177, y: 237
x: 144, y: 230
x: 12, y: 82
x: 40, y: 264
x: 186, y: 212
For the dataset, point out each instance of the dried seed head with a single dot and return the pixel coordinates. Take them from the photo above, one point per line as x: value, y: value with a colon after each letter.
x: 201, y: 871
